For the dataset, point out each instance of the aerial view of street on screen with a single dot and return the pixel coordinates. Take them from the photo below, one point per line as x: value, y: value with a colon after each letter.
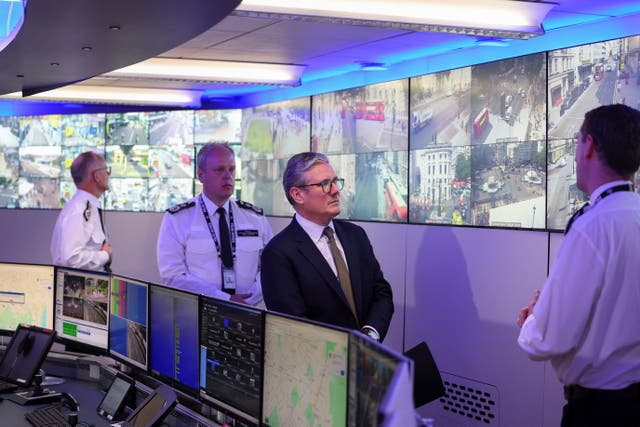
x: 582, y: 78
x: 305, y: 380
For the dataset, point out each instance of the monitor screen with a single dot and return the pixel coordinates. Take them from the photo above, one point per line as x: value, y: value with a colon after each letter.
x: 305, y: 373
x: 231, y: 355
x: 26, y: 295
x: 25, y: 353
x: 128, y: 321
x: 82, y: 305
x: 173, y: 341
x: 371, y: 368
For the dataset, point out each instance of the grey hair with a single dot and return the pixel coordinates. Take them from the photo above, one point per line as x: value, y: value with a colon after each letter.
x: 82, y: 165
x: 296, y: 167
x: 205, y: 150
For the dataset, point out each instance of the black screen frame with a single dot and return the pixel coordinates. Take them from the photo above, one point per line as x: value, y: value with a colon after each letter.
x: 77, y: 345
x: 51, y: 316
x: 182, y: 387
x: 121, y: 398
x: 26, y: 339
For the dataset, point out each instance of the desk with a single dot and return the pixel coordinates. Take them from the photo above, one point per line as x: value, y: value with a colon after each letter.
x: 87, y: 393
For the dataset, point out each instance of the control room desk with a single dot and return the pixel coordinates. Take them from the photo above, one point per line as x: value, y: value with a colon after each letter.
x: 87, y: 393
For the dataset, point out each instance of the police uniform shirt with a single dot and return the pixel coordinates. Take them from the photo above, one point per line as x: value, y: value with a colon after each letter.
x: 78, y: 236
x: 187, y: 255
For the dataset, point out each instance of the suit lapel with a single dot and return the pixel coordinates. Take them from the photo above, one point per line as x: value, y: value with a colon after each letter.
x: 309, y: 251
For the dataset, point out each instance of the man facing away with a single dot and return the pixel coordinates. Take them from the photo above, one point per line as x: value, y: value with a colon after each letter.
x: 211, y: 244
x: 79, y: 239
x: 585, y: 320
x: 320, y: 268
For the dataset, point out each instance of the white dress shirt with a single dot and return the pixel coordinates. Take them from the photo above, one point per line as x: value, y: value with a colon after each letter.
x: 587, y: 318
x: 187, y: 255
x: 78, y: 236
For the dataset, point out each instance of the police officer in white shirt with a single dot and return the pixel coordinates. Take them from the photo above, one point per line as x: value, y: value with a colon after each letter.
x: 585, y: 320
x: 212, y: 252
x: 79, y: 239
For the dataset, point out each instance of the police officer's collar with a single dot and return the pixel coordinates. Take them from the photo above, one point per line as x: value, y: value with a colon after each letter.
x: 604, y: 187
x: 85, y: 195
x: 212, y: 207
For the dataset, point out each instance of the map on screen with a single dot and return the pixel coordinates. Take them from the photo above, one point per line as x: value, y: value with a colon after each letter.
x: 26, y: 295
x: 305, y: 373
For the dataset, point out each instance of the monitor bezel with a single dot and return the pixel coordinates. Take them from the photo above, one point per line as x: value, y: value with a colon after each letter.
x: 77, y: 345
x: 51, y: 316
x: 175, y: 383
x: 120, y: 357
x: 203, y: 394
x: 49, y: 337
x: 304, y: 320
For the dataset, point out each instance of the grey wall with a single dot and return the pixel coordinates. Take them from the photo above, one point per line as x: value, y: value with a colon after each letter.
x: 457, y: 288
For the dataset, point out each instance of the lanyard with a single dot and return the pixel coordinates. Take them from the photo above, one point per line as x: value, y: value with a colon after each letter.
x: 212, y: 231
x: 608, y: 191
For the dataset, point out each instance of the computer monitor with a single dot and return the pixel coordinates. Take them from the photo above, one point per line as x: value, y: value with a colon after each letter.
x: 128, y: 334
x: 26, y: 296
x: 231, y: 340
x: 372, y: 367
x: 305, y: 373
x: 397, y: 408
x: 25, y: 353
x: 173, y: 337
x: 82, y: 310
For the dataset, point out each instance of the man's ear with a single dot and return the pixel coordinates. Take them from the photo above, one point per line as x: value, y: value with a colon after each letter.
x: 590, y: 148
x: 296, y: 195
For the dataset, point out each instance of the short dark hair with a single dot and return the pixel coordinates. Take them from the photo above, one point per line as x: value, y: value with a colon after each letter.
x: 203, y: 153
x: 296, y: 167
x: 616, y: 131
x: 81, y: 166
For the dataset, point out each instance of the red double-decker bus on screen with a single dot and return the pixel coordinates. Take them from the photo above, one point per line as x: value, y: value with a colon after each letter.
x: 480, y: 122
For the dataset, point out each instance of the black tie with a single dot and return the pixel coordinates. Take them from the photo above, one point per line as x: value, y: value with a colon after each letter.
x: 225, y: 241
x: 577, y: 214
x: 107, y: 266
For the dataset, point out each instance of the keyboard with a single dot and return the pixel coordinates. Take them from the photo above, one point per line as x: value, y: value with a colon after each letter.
x: 7, y: 386
x: 47, y: 417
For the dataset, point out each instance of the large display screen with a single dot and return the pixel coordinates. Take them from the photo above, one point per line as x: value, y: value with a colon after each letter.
x: 82, y: 309
x: 128, y: 320
x: 26, y: 295
x: 173, y: 329
x: 231, y: 355
x: 271, y: 134
x: 580, y: 79
x: 477, y: 145
x: 305, y: 373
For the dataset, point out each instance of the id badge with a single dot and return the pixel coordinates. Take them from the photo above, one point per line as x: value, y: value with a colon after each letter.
x: 228, y: 280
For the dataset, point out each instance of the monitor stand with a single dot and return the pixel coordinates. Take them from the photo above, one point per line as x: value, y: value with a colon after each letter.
x: 38, y: 395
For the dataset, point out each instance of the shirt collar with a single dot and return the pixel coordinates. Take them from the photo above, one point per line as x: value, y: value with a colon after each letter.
x: 85, y: 195
x: 212, y: 207
x: 311, y: 228
x: 598, y: 191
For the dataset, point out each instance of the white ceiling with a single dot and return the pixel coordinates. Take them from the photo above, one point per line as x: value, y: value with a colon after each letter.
x: 333, y: 52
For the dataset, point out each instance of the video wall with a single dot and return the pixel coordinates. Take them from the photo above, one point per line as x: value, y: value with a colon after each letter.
x: 487, y: 145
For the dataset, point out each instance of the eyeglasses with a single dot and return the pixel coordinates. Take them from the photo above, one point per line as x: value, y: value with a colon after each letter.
x: 106, y: 168
x: 326, y: 184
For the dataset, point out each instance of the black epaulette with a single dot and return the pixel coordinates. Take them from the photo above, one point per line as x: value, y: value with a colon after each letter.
x: 247, y: 205
x: 177, y: 208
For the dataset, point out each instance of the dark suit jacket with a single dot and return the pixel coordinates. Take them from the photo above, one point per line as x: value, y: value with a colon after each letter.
x: 297, y: 280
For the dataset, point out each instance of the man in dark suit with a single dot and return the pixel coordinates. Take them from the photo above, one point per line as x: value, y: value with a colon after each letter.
x: 304, y: 272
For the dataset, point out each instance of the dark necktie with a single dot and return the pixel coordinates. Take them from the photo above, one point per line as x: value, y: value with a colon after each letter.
x: 577, y: 214
x: 343, y: 272
x: 107, y: 266
x: 225, y: 241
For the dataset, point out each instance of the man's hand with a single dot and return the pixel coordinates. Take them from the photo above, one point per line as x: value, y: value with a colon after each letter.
x: 241, y: 298
x: 107, y: 249
x: 527, y: 310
